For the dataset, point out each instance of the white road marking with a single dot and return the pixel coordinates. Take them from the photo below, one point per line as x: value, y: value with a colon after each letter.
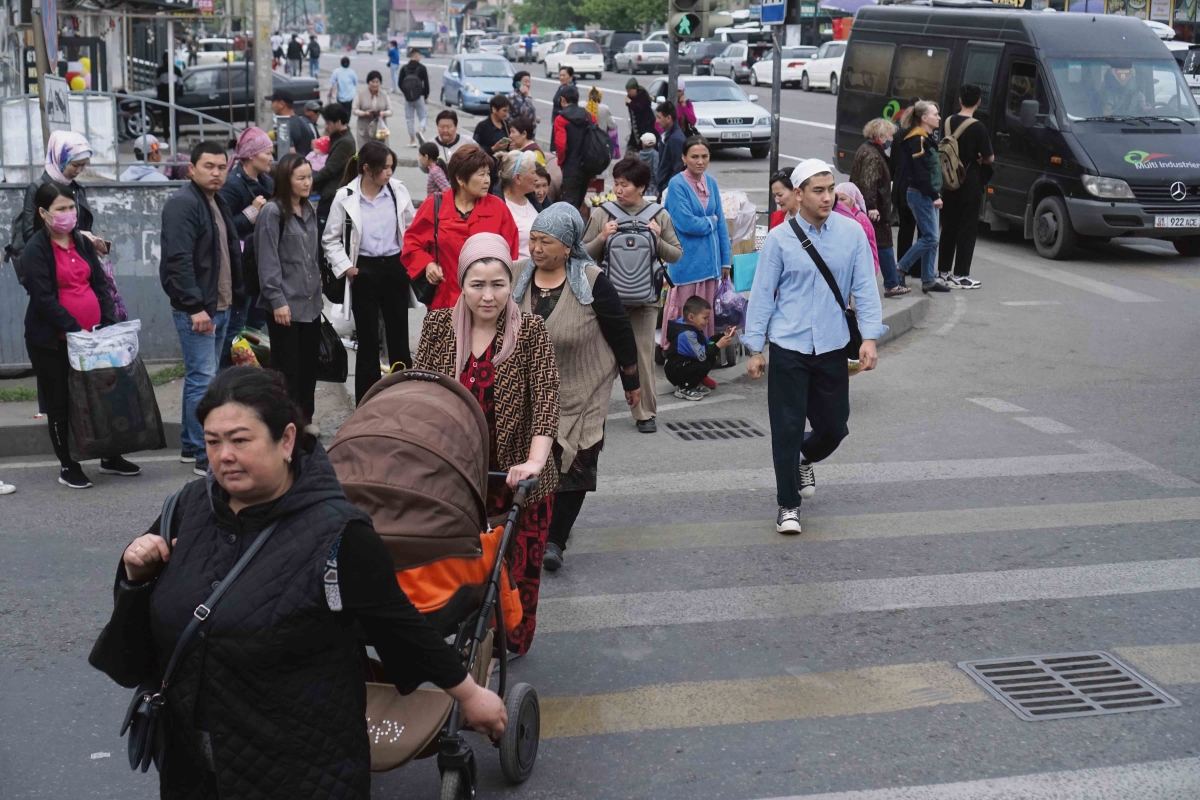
x: 1045, y: 424
x: 1031, y: 303
x: 1118, y: 293
x: 1155, y: 780
x: 708, y: 401
x: 996, y: 404
x: 960, y: 308
x: 1147, y: 471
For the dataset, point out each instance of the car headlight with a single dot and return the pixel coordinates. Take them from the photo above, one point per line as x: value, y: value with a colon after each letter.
x: 469, y: 89
x: 706, y: 122
x: 1107, y: 188
x: 763, y: 121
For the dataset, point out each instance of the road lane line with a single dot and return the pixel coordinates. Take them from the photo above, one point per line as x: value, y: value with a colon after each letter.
x: 960, y: 308
x: 136, y: 458
x: 1045, y: 424
x: 995, y: 404
x: 790, y: 601
x: 1145, y: 470
x: 1178, y: 779
x: 1031, y: 303
x: 1118, y: 293
x: 1005, y: 519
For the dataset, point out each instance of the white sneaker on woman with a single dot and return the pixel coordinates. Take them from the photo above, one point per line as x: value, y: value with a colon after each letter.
x: 7, y: 488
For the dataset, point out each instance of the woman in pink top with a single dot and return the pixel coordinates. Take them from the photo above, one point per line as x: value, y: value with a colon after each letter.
x: 850, y: 204
x: 67, y: 292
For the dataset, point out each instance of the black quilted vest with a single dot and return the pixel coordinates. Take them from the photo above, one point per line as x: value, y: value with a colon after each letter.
x: 275, y: 677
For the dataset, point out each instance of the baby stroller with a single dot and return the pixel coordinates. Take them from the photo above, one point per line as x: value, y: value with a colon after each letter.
x: 414, y: 456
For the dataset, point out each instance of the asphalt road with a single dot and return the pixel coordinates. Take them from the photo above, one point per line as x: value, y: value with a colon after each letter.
x: 1022, y: 477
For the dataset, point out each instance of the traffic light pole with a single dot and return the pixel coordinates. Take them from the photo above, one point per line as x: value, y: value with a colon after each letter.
x: 672, y: 67
x: 776, y: 91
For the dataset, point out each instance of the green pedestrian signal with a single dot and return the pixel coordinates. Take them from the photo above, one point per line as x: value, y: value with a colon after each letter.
x: 685, y: 27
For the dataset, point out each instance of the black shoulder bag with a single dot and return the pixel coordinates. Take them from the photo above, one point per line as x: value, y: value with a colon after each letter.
x: 146, y: 719
x: 423, y: 290
x: 856, y: 339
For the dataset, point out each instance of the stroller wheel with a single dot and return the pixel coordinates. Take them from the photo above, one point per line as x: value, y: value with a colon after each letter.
x: 519, y: 744
x: 456, y: 786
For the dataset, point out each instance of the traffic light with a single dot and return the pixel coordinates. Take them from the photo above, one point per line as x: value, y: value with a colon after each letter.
x: 688, y: 19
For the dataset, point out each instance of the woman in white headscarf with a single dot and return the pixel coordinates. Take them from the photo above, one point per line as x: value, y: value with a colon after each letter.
x: 506, y: 360
x: 67, y: 156
x: 593, y: 343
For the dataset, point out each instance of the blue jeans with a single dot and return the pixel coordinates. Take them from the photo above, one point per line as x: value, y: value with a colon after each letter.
x: 314, y: 66
x: 201, y: 356
x: 887, y: 265
x: 926, y: 245
x: 395, y: 70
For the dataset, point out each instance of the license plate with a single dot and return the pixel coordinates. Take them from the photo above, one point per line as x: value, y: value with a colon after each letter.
x: 1188, y: 221
x: 736, y: 135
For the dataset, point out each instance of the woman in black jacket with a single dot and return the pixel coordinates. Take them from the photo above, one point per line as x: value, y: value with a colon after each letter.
x: 269, y: 699
x: 67, y: 156
x: 67, y: 292
x: 918, y: 181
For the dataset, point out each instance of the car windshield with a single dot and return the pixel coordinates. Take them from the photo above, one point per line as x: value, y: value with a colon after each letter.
x: 216, y: 47
x: 654, y: 47
x: 487, y: 69
x: 577, y: 48
x: 725, y: 91
x: 1117, y: 88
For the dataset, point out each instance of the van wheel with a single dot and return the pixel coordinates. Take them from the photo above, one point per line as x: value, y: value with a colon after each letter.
x: 1187, y: 245
x: 804, y: 84
x: 833, y: 83
x: 1053, y: 235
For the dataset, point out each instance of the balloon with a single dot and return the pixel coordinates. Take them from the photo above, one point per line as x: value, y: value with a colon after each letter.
x: 72, y: 74
x: 86, y: 63
x: 87, y: 80
x: 78, y: 84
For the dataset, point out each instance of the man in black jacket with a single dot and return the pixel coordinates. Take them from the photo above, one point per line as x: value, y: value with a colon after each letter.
x: 200, y: 271
x: 341, y: 150
x: 569, y: 129
x: 414, y: 85
x: 670, y: 147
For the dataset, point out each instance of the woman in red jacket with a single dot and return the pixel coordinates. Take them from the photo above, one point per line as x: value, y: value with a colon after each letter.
x: 466, y: 209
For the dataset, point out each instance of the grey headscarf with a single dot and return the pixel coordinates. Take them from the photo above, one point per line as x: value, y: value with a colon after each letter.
x: 562, y: 221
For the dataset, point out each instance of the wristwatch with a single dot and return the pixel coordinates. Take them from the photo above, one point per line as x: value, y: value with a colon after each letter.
x: 750, y: 352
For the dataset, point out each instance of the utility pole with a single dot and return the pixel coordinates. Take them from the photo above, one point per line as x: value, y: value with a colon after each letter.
x: 672, y: 67
x: 264, y: 79
x: 43, y: 67
x: 375, y: 23
x: 776, y: 91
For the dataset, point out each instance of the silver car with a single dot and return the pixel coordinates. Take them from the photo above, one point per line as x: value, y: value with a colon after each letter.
x: 642, y: 57
x: 725, y: 115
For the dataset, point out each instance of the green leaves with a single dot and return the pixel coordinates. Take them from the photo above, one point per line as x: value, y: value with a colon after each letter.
x: 611, y: 14
x: 354, y: 17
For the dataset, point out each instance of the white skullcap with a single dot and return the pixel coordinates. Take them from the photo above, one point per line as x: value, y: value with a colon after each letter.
x: 807, y: 168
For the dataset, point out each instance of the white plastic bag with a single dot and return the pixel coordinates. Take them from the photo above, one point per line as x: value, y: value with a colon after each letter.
x: 740, y: 215
x: 114, y: 346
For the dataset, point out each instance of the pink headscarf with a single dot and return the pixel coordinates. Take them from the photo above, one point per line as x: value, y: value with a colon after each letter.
x: 63, y: 148
x: 251, y: 142
x: 854, y: 194
x: 859, y: 215
x: 478, y: 247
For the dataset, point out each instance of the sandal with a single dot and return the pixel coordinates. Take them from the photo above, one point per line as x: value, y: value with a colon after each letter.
x: 896, y: 291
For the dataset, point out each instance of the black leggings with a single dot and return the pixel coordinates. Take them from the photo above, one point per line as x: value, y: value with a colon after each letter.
x: 379, y: 288
x: 51, y: 368
x: 562, y: 520
x: 294, y: 353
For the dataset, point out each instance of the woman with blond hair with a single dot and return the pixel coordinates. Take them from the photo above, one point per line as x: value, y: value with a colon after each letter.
x: 920, y: 181
x: 870, y: 173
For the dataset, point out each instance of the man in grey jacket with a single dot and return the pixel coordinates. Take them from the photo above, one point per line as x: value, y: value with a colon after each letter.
x: 200, y: 271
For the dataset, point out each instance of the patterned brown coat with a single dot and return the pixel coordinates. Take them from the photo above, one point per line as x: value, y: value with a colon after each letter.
x: 871, y: 175
x: 526, y: 387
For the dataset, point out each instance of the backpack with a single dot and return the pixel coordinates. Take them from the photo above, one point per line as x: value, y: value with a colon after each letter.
x: 595, y: 150
x: 411, y: 86
x: 954, y: 172
x: 16, y: 243
x: 631, y: 256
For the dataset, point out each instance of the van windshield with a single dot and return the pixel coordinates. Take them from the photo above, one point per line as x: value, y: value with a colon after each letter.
x: 1097, y: 88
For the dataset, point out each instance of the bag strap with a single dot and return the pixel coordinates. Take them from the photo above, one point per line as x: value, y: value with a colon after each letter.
x: 205, y: 609
x: 958, y: 131
x: 168, y: 514
x: 820, y: 262
x: 437, y: 212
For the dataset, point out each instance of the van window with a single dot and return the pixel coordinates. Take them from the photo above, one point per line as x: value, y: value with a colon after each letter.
x: 980, y: 69
x: 867, y: 66
x: 920, y: 72
x: 1024, y: 84
x: 1112, y: 87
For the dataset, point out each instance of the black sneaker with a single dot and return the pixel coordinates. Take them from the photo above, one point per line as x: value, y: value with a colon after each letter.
x: 187, y: 458
x: 119, y: 466
x: 647, y: 426
x: 200, y: 467
x: 936, y: 286
x: 73, y: 477
x: 808, y: 480
x: 553, y: 558
x: 788, y: 521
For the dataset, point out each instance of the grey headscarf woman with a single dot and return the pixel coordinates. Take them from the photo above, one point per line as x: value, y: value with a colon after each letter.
x: 562, y: 221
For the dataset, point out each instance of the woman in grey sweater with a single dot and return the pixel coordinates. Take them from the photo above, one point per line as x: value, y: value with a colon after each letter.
x: 286, y: 242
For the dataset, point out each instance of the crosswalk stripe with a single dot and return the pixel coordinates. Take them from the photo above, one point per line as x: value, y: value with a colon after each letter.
x: 1118, y: 293
x: 803, y: 695
x: 598, y: 612
x: 1178, y: 779
x: 885, y: 526
x: 1170, y: 664
x: 1097, y: 457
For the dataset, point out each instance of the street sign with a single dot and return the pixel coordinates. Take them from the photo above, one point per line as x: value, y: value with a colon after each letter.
x: 773, y: 11
x: 205, y: 6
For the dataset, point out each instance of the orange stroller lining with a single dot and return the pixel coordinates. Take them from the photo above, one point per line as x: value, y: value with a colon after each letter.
x: 432, y: 587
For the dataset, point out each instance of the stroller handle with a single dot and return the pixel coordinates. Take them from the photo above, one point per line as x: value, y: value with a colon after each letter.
x: 524, y: 488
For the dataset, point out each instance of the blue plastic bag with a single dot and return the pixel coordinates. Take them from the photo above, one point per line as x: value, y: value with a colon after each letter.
x: 744, y: 266
x: 729, y: 308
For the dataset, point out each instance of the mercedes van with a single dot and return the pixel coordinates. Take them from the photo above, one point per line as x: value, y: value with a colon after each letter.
x: 1095, y: 131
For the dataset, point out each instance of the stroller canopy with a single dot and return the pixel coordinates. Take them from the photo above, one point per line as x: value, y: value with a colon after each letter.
x: 414, y: 456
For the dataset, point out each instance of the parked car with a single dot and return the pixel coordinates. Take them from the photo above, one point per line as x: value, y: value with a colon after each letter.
x: 470, y: 81
x: 823, y: 71
x: 725, y: 115
x: 582, y: 55
x: 643, y: 57
x: 613, y: 42
x: 696, y: 58
x: 793, y: 61
x: 224, y: 91
x: 515, y: 50
x: 547, y: 41
x: 211, y: 51
x: 366, y: 45
x: 735, y: 62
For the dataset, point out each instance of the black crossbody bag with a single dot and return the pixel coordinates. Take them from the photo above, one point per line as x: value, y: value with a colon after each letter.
x: 856, y: 339
x: 146, y: 719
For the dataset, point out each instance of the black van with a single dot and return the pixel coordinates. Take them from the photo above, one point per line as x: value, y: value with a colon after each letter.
x: 1096, y: 134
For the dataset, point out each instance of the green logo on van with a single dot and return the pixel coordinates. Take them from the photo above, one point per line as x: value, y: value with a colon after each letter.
x: 891, y: 110
x: 1141, y: 156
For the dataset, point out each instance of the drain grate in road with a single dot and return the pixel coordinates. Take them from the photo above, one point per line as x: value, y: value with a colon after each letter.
x: 1067, y: 685
x: 711, y: 430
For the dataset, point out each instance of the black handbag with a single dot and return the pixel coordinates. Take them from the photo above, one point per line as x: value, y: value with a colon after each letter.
x: 422, y: 289
x: 856, y: 339
x: 333, y: 365
x: 146, y: 719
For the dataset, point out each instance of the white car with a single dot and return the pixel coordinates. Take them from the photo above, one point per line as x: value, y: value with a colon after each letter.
x: 824, y: 71
x: 366, y: 45
x: 582, y: 55
x: 547, y: 41
x: 725, y: 115
x: 642, y: 57
x: 215, y: 51
x: 793, y: 61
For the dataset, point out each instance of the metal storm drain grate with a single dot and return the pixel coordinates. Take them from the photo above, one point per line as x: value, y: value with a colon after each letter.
x: 1067, y: 685
x: 708, y: 430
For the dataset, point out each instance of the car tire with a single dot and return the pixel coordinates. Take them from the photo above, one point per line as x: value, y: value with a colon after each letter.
x: 753, y: 78
x: 760, y: 150
x: 1187, y: 246
x: 804, y: 82
x: 1053, y: 235
x: 546, y: 69
x: 833, y: 83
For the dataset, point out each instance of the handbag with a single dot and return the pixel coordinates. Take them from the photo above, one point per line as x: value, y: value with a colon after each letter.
x: 856, y: 339
x: 332, y: 363
x: 146, y: 718
x: 422, y: 289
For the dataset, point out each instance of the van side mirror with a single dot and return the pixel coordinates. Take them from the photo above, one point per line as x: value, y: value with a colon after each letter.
x: 1029, y: 112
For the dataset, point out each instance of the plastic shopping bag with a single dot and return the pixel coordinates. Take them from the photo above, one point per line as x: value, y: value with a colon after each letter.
x: 113, y: 411
x: 729, y: 308
x: 104, y: 348
x: 241, y: 353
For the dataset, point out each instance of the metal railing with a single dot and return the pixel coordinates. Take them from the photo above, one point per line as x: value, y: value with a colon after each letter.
x: 132, y: 116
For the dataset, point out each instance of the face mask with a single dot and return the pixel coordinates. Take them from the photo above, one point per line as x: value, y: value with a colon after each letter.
x: 64, y: 222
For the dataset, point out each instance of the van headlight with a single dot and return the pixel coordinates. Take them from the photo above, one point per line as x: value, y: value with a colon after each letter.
x: 1107, y: 188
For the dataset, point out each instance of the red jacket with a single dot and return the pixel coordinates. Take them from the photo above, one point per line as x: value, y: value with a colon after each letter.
x: 777, y: 218
x: 560, y: 138
x: 490, y: 215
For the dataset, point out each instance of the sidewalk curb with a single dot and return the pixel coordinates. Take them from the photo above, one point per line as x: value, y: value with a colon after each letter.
x: 33, y: 439
x: 904, y: 316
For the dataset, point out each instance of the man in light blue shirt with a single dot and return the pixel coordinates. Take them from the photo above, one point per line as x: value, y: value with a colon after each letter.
x: 793, y: 304
x: 343, y: 85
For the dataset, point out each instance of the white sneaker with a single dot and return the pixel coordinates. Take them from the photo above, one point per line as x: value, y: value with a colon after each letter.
x: 7, y: 488
x: 788, y: 521
x: 688, y: 394
x: 963, y: 282
x: 808, y: 481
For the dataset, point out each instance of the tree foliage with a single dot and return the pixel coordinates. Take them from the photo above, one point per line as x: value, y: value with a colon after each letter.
x: 549, y: 14
x: 624, y: 15
x: 353, y: 17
